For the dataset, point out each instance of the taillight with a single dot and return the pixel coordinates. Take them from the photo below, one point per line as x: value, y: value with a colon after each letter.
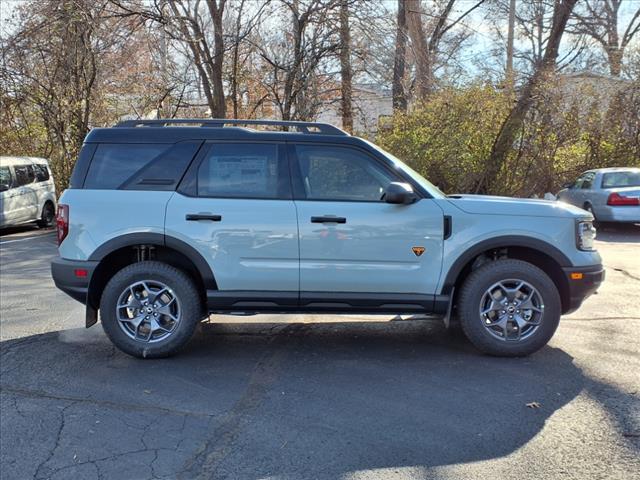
x: 62, y: 222
x: 617, y: 200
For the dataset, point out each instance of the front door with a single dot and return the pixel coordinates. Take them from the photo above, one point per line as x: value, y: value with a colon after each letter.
x: 235, y: 208
x: 353, y: 242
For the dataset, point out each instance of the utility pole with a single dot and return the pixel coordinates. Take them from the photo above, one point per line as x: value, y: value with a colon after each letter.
x: 510, y: 36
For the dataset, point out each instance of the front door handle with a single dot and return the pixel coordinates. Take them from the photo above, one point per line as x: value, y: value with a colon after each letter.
x: 328, y: 219
x: 194, y: 217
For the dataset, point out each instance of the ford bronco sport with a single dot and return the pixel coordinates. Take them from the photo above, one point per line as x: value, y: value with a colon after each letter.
x: 168, y: 221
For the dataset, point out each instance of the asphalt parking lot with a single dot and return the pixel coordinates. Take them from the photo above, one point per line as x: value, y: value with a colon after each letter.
x: 310, y: 397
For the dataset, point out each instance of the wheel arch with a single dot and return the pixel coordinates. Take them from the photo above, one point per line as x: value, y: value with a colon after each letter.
x: 124, y: 250
x: 537, y: 252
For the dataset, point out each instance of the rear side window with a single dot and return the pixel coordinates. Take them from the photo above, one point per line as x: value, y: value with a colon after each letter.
x: 621, y: 179
x: 24, y: 174
x: 113, y: 163
x: 248, y: 170
x: 42, y: 172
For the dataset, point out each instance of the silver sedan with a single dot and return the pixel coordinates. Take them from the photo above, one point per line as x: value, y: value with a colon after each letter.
x: 610, y: 194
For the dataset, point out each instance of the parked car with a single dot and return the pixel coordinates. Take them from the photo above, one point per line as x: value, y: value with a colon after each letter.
x: 609, y: 194
x: 164, y: 225
x: 27, y: 192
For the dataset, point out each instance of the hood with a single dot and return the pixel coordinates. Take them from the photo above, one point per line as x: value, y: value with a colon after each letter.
x: 531, y: 207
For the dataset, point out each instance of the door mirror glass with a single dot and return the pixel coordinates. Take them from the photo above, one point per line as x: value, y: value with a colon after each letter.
x: 4, y: 187
x: 399, y: 193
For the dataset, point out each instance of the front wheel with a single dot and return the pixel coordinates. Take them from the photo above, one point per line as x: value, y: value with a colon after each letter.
x: 509, y: 308
x: 150, y: 309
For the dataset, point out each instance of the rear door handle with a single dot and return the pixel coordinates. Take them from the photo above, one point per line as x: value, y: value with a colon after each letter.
x: 328, y: 219
x: 194, y: 217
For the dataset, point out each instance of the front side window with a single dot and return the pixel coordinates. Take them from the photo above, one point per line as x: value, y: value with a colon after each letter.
x: 587, y: 181
x: 621, y: 179
x: 24, y: 174
x: 248, y: 170
x: 115, y: 163
x: 42, y: 172
x: 5, y: 179
x: 341, y: 174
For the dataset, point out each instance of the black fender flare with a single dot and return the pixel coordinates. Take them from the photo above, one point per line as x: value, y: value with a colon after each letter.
x: 151, y: 238
x: 501, y: 242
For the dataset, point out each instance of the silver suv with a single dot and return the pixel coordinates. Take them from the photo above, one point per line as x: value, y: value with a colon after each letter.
x: 169, y: 221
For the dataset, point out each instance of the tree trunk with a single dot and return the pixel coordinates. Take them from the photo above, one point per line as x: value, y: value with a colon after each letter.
x: 614, y: 55
x: 420, y: 48
x: 217, y: 11
x: 345, y: 68
x: 513, y: 123
x: 399, y: 61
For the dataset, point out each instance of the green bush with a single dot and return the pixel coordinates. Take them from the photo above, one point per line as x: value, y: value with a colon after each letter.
x: 449, y: 138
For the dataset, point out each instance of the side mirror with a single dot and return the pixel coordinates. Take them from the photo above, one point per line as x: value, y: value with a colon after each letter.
x: 399, y: 193
x: 4, y: 187
x: 568, y: 185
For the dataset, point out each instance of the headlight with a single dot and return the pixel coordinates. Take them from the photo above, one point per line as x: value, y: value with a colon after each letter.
x: 586, y: 234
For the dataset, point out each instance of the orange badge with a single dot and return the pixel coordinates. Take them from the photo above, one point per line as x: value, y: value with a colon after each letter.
x: 418, y: 250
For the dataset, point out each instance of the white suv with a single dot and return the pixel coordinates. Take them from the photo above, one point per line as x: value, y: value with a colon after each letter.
x: 27, y: 192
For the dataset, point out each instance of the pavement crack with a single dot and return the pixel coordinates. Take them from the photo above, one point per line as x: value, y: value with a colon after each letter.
x: 104, y: 403
x: 56, y: 443
x: 204, y: 462
x: 625, y: 273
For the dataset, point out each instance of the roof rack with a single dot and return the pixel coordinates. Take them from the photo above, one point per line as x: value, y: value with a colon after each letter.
x: 302, y: 127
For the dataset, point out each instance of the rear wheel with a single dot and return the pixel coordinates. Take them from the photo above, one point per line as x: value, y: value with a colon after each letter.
x: 150, y: 309
x: 509, y: 308
x: 47, y: 216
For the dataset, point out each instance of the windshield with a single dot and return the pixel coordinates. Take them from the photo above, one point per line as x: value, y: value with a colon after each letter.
x: 400, y: 165
x: 628, y: 178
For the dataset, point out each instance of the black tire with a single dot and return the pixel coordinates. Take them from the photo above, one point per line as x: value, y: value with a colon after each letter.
x: 182, y: 287
x: 471, y: 295
x: 47, y: 216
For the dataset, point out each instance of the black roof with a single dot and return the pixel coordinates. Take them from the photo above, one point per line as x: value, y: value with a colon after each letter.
x: 166, y: 131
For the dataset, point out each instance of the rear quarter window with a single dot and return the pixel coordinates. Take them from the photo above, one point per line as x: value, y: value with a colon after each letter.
x: 42, y: 172
x: 113, y: 163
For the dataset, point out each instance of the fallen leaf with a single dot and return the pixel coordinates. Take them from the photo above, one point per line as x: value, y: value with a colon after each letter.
x: 533, y: 405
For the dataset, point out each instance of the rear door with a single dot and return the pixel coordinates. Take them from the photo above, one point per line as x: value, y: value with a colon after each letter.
x: 351, y: 240
x: 235, y: 208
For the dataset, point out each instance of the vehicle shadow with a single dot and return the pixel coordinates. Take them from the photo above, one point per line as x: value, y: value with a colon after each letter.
x: 297, y: 400
x: 27, y: 228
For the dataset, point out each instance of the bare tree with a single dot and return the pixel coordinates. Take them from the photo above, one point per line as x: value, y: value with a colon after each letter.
x: 52, y: 63
x: 293, y: 59
x: 346, y: 73
x: 426, y: 42
x: 544, y: 69
x: 600, y: 20
x: 399, y: 64
x: 187, y: 23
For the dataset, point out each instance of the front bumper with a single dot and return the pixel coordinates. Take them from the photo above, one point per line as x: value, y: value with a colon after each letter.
x: 583, y: 282
x: 73, y: 277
